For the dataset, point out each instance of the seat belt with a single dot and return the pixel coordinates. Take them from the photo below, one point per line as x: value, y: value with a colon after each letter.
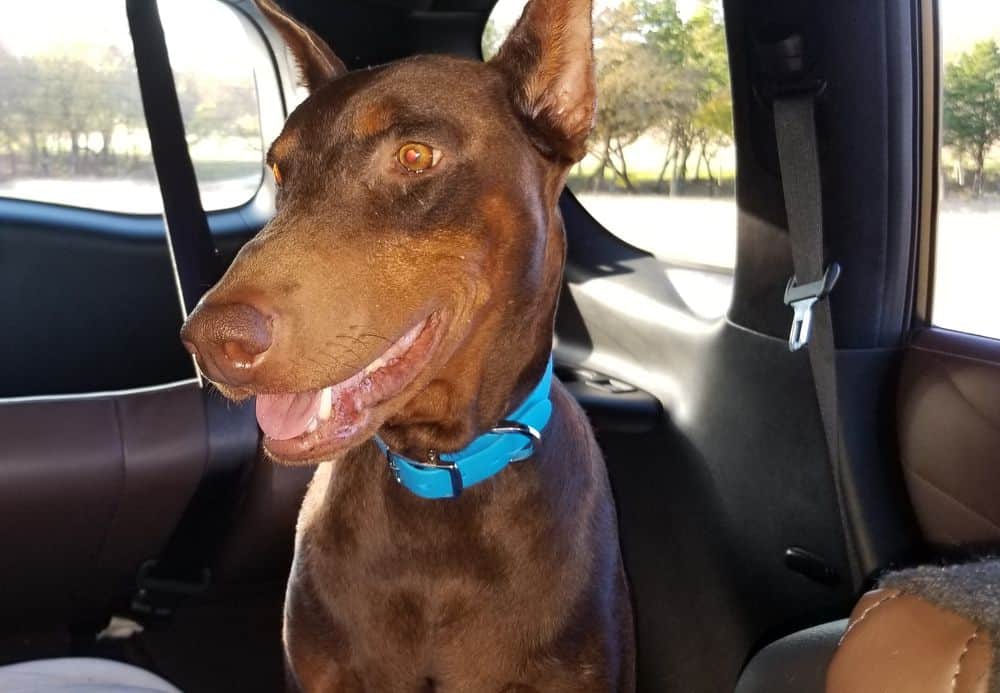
x: 808, y: 290
x: 183, y: 567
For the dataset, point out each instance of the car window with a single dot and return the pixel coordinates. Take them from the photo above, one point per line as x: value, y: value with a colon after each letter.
x: 661, y: 167
x: 968, y: 225
x: 73, y: 130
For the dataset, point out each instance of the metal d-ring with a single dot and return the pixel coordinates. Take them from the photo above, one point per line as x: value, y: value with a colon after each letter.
x: 529, y: 432
x: 518, y: 427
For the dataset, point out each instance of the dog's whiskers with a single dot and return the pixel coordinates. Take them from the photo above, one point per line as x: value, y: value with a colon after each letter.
x: 340, y: 362
x: 376, y: 336
x: 353, y: 338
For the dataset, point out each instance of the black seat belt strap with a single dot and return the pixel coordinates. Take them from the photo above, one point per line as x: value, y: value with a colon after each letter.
x: 196, y: 262
x: 183, y: 566
x: 808, y: 290
x: 798, y: 154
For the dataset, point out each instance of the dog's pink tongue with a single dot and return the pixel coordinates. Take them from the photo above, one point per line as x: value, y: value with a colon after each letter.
x: 286, y: 416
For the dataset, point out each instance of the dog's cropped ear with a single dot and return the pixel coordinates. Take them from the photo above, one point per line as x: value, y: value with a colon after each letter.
x: 318, y: 64
x: 549, y: 60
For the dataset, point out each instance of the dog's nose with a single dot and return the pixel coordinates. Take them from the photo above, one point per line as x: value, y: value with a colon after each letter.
x: 228, y: 341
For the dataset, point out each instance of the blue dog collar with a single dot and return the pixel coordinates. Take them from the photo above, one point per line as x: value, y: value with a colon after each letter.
x: 445, y: 475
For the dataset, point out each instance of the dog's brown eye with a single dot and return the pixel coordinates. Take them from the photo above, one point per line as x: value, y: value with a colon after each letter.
x: 417, y: 157
x: 277, y: 173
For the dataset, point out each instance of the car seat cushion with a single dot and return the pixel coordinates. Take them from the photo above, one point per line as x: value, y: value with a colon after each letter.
x: 80, y: 675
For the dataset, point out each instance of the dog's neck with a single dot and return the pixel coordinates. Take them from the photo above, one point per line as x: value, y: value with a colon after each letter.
x: 488, y: 375
x: 464, y: 400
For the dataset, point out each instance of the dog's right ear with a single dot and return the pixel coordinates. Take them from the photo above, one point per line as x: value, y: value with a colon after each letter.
x: 317, y: 62
x: 549, y: 61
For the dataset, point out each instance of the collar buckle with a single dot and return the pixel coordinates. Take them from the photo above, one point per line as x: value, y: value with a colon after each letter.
x: 434, y: 461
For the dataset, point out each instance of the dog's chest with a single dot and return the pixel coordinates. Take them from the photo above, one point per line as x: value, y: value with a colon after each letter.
x: 361, y: 533
x: 400, y: 576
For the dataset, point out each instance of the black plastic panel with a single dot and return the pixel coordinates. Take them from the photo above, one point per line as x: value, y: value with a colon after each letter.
x: 732, y: 473
x: 89, y: 299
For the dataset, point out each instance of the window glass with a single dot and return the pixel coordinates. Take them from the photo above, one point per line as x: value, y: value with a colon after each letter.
x: 968, y: 230
x: 73, y: 131
x: 661, y: 167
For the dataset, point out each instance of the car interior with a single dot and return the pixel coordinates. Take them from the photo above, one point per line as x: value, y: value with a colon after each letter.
x: 761, y: 491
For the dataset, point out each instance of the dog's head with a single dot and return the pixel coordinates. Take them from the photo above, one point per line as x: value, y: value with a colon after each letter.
x: 409, y: 278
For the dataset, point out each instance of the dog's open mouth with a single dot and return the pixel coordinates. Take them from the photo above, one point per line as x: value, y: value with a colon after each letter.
x: 319, y: 423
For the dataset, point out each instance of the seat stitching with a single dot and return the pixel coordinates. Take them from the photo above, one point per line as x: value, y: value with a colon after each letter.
x: 864, y: 615
x: 958, y: 665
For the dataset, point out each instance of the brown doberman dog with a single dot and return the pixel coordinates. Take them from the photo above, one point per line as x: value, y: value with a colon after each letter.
x: 404, y: 296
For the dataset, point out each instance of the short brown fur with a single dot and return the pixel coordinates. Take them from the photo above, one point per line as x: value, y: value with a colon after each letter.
x: 518, y: 584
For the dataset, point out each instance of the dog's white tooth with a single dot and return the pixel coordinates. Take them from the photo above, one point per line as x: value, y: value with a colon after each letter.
x: 313, y: 425
x: 375, y: 365
x: 326, y: 403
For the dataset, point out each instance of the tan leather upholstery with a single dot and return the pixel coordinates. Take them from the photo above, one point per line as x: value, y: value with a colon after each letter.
x: 949, y: 433
x: 898, y: 643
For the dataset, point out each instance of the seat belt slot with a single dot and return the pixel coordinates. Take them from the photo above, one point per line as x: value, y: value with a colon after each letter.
x: 158, y: 597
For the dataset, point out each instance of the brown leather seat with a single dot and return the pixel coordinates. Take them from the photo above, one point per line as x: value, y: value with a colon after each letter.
x: 927, y: 630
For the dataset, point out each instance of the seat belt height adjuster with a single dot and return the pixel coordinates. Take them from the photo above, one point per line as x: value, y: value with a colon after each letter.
x: 802, y: 298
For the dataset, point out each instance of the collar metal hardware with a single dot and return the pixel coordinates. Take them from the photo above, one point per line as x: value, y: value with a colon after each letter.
x: 434, y: 461
x: 802, y: 298
x: 525, y: 430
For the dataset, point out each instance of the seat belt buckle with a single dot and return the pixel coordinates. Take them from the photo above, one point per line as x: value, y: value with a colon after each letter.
x: 802, y: 298
x: 157, y: 597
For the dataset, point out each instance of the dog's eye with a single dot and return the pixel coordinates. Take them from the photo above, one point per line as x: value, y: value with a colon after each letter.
x: 277, y: 173
x: 417, y: 157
